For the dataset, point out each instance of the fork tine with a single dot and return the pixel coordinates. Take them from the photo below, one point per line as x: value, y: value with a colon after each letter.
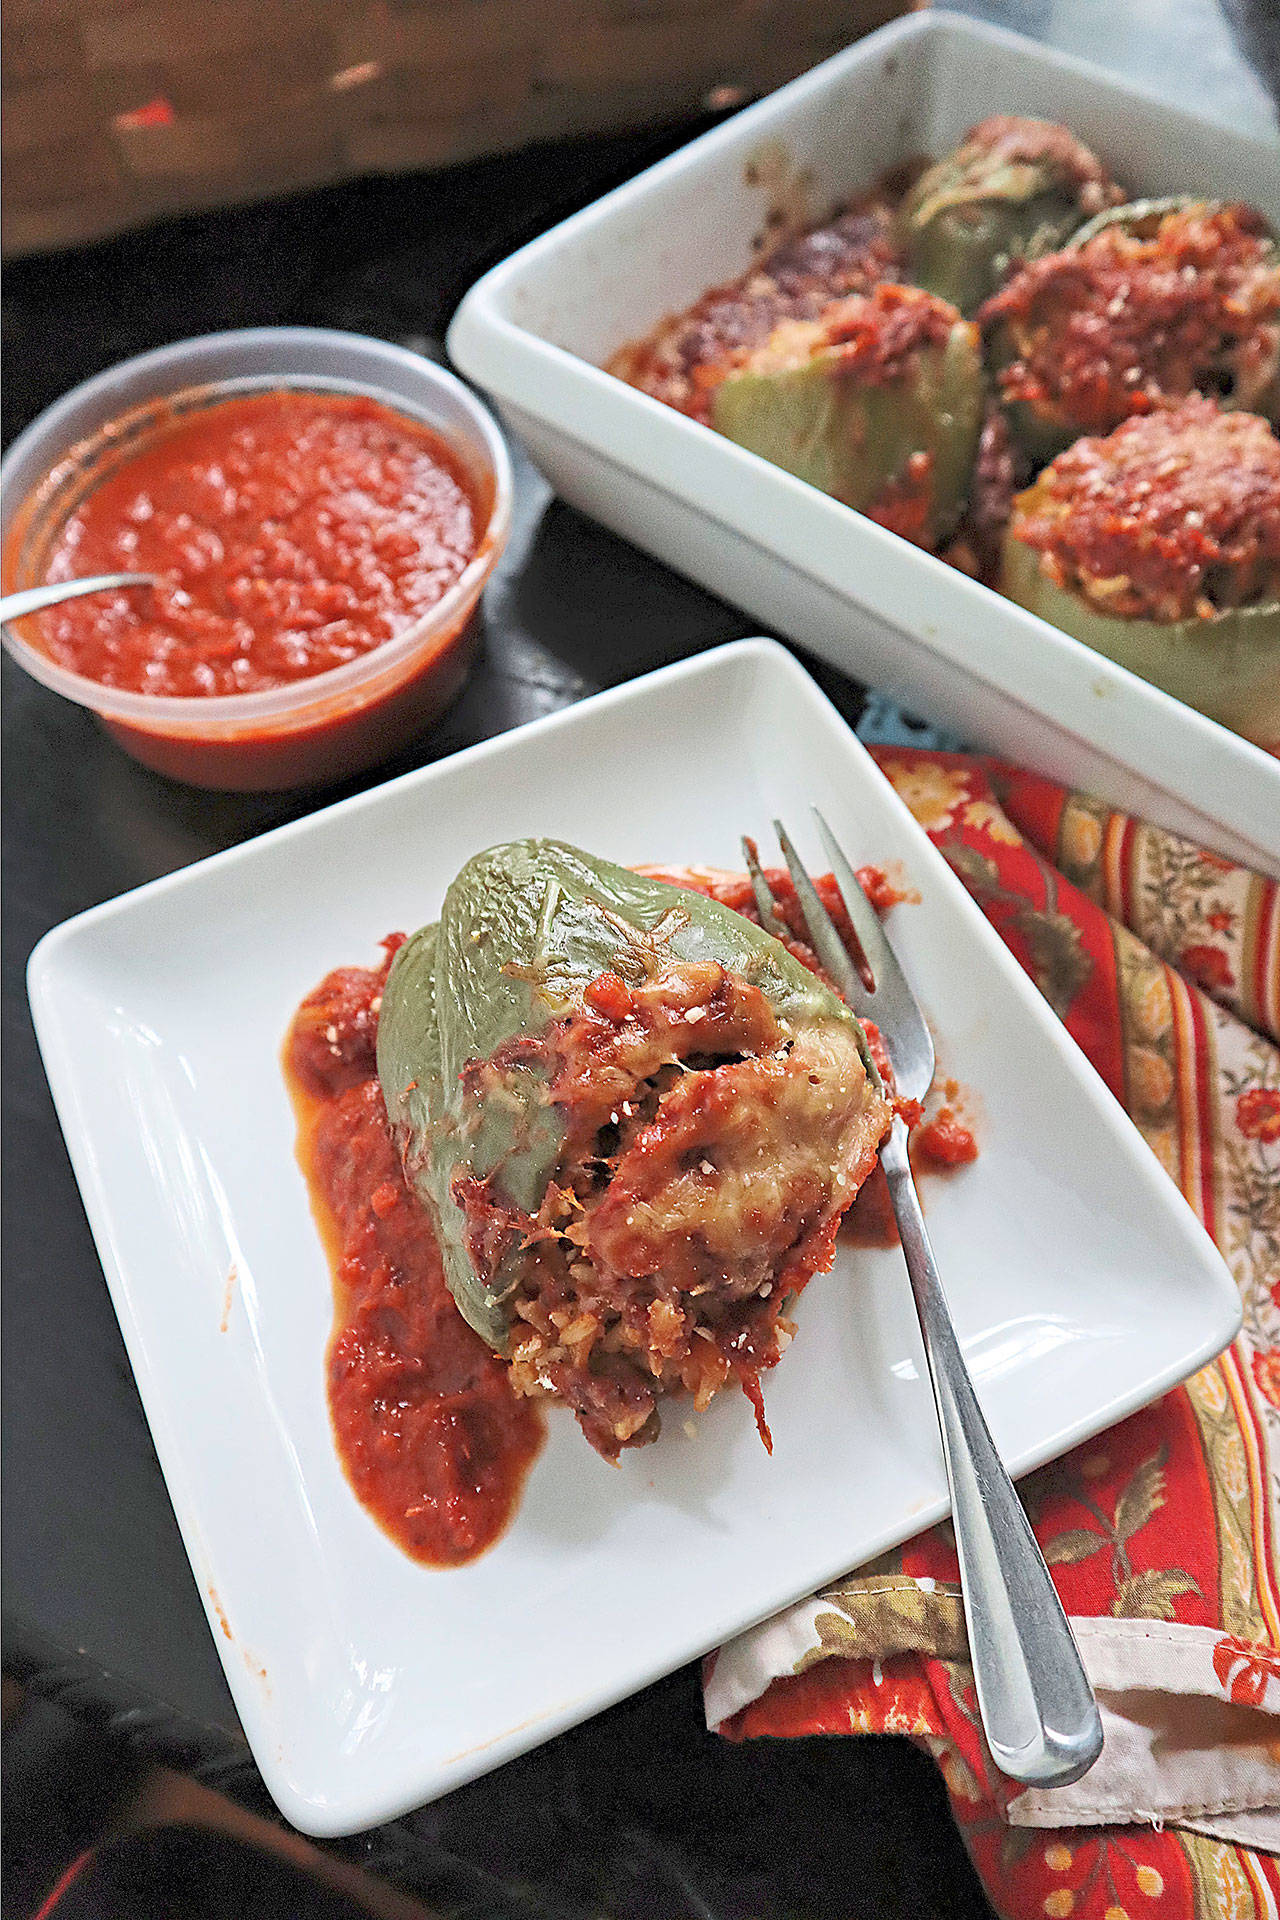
x: 872, y: 937
x: 829, y: 947
x: 765, y: 905
x: 827, y: 944
x: 897, y: 1011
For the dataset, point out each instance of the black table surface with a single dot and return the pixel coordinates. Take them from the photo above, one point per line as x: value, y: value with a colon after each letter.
x: 641, y: 1811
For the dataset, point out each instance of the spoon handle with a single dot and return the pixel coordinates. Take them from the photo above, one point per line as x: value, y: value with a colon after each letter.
x: 13, y: 606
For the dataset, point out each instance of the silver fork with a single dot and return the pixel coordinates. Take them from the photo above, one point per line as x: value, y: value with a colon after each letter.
x: 1038, y: 1710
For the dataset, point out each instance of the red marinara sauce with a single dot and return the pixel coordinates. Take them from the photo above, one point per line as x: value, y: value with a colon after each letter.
x: 431, y: 1435
x: 292, y: 531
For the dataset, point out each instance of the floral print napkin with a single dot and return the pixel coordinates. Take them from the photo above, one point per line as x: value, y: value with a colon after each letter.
x: 1163, y: 962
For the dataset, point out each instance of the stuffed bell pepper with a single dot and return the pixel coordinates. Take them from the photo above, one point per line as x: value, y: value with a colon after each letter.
x: 1147, y: 303
x: 685, y: 358
x: 636, y: 1120
x: 878, y: 403
x: 1013, y: 189
x: 1160, y: 547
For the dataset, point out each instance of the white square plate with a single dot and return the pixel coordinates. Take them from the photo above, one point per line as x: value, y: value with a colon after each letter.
x: 1082, y: 1285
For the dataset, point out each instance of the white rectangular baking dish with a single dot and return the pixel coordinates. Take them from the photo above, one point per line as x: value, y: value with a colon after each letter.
x: 536, y: 328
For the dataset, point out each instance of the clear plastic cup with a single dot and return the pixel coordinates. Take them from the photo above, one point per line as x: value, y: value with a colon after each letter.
x: 315, y: 730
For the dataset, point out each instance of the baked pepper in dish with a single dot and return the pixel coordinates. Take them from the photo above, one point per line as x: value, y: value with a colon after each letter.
x: 878, y: 403
x: 1147, y: 304
x: 1013, y: 189
x: 635, y: 1119
x: 1159, y: 546
x: 686, y: 356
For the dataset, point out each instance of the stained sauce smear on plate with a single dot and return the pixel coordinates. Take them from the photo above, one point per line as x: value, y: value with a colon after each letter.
x: 432, y: 1437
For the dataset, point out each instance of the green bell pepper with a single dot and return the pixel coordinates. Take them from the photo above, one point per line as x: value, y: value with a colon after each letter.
x: 1227, y: 667
x: 524, y: 929
x: 854, y: 440
x: 976, y: 213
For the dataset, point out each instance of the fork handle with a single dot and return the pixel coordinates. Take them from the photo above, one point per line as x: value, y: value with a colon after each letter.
x: 1038, y: 1711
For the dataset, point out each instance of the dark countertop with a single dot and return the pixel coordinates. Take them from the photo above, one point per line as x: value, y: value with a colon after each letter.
x: 641, y: 1811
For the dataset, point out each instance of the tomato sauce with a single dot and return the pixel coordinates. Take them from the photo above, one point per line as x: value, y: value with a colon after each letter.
x: 945, y: 1141
x: 292, y: 532
x: 934, y: 1147
x: 879, y: 334
x: 431, y: 1435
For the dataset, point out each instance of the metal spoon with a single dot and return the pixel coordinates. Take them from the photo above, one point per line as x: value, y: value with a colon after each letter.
x: 31, y: 599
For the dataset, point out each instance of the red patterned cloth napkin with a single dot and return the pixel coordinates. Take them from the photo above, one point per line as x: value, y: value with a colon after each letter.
x: 1163, y: 961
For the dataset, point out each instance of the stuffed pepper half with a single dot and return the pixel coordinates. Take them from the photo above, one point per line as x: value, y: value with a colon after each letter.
x: 636, y: 1120
x: 878, y: 403
x: 1013, y: 189
x: 1148, y: 303
x: 1160, y: 547
x: 687, y: 355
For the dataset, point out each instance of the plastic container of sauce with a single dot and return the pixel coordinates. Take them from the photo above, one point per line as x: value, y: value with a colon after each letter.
x: 323, y: 511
